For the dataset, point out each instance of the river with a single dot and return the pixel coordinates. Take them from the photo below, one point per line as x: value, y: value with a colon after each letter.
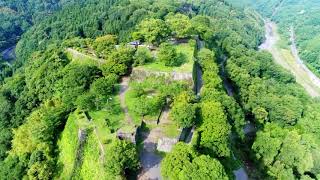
x: 289, y: 59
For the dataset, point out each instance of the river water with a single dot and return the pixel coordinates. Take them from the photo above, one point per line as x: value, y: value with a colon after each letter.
x: 290, y: 61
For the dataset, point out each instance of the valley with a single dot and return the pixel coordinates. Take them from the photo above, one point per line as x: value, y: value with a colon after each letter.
x: 289, y: 59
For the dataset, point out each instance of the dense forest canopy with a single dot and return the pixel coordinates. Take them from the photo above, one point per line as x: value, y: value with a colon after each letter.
x: 73, y: 56
x: 17, y: 16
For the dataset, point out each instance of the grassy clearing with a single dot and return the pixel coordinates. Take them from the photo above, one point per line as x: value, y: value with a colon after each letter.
x: 92, y: 167
x: 283, y: 42
x: 111, y: 116
x: 170, y: 130
x: 68, y: 144
x: 83, y: 59
x: 106, y: 122
x: 186, y: 50
x: 130, y: 102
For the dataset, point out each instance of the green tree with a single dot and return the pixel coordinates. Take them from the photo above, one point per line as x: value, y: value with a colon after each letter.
x: 76, y: 80
x: 287, y: 153
x: 153, y: 31
x: 148, y: 105
x: 180, y: 25
x: 183, y: 163
x: 206, y: 59
x: 86, y: 102
x: 104, y: 86
x: 122, y: 156
x: 260, y: 114
x: 169, y: 55
x: 105, y: 45
x: 183, y: 110
x: 204, y: 167
x: 119, y: 61
x: 142, y: 56
x: 175, y: 162
x: 215, y: 130
x: 201, y: 25
x: 41, y: 170
x: 13, y: 167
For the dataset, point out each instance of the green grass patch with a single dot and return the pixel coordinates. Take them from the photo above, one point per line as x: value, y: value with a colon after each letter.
x: 108, y: 120
x: 82, y: 120
x: 111, y: 115
x: 171, y: 130
x: 92, y: 167
x: 81, y: 58
x: 283, y: 42
x: 68, y: 144
x: 186, y: 50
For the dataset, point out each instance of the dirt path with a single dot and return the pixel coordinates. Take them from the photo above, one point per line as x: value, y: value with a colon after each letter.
x: 124, y: 87
x: 102, y: 152
x: 290, y: 60
x: 150, y: 160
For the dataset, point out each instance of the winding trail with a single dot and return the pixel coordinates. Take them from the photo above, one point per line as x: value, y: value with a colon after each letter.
x: 124, y: 87
x: 150, y: 160
x: 290, y: 60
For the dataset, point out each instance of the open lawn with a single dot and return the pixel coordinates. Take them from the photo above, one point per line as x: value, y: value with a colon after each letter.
x: 110, y: 116
x: 186, y: 50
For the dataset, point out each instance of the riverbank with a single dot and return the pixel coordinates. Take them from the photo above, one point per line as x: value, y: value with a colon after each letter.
x: 289, y: 59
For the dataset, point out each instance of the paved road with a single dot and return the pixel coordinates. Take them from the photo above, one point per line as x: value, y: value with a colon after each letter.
x: 290, y: 61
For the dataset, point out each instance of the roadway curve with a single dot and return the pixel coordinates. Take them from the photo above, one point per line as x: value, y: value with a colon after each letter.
x: 290, y: 61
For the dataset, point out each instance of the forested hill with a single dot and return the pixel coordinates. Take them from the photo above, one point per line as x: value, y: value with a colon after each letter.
x: 67, y: 101
x: 17, y: 16
x: 302, y: 16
